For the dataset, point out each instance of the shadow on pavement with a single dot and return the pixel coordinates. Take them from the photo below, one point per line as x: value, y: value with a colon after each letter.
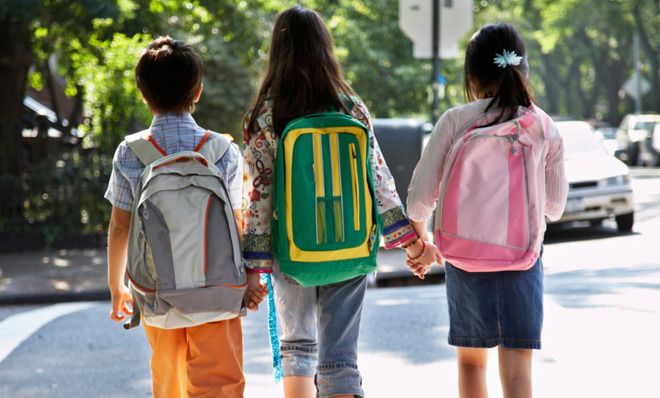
x: 423, y: 309
x: 561, y: 234
x: 603, y: 287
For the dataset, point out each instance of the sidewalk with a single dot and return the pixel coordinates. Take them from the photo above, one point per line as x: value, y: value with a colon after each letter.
x: 53, y: 276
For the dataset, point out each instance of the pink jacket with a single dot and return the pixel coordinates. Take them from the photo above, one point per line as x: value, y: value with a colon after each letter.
x: 545, y: 169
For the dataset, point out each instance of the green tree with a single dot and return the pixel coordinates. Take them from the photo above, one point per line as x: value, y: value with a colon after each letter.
x: 579, y: 51
x: 646, y: 15
x: 25, y: 25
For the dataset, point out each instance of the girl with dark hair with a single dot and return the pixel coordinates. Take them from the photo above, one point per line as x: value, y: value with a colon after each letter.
x: 303, y: 77
x: 492, y: 304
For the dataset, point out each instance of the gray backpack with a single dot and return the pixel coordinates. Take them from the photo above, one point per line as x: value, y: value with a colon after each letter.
x: 184, y: 256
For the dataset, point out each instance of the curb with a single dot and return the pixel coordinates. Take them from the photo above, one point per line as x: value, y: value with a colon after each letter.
x: 54, y: 297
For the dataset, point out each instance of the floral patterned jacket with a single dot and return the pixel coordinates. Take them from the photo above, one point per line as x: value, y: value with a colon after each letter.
x: 260, y: 150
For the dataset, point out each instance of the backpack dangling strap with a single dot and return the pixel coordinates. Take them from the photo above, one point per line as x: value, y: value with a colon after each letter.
x: 272, y: 329
x: 145, y: 147
x: 135, y: 318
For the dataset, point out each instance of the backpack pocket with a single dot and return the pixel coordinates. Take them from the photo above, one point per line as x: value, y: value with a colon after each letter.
x: 216, y: 298
x: 484, y: 210
x: 219, y: 259
x: 179, y: 308
x: 327, y: 192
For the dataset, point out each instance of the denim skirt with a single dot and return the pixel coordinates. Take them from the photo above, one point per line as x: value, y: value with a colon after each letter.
x: 489, y: 309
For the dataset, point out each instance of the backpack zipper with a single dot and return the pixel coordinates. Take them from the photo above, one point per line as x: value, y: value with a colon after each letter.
x: 529, y: 234
x: 354, y: 184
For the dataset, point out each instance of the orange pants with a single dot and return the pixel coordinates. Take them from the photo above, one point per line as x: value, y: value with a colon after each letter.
x: 201, y: 361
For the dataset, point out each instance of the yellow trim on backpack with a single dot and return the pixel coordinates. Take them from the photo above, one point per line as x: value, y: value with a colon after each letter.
x: 318, y: 166
x: 336, y: 164
x: 296, y: 253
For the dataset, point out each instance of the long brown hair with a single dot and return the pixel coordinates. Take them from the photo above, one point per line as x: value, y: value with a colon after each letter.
x: 510, y: 84
x: 303, y: 74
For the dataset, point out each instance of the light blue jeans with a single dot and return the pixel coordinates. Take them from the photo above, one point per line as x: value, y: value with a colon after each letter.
x: 319, y: 337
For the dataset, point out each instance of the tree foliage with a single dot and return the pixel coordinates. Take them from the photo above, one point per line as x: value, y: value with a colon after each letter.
x: 580, y: 54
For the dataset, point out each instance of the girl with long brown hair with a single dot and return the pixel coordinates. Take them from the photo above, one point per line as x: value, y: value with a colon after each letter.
x: 304, y: 77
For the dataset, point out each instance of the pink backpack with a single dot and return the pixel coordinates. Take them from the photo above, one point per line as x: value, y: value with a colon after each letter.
x: 487, y: 217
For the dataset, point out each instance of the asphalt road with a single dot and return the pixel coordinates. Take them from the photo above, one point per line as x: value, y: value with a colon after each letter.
x: 602, y: 318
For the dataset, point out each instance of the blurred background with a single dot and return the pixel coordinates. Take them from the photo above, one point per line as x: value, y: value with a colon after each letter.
x: 68, y: 95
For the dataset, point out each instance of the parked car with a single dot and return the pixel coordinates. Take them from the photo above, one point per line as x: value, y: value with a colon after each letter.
x: 599, y: 184
x: 636, y: 134
x: 401, y: 141
x: 607, y: 135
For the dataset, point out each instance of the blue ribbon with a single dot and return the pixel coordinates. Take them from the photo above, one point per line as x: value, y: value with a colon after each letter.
x: 272, y: 329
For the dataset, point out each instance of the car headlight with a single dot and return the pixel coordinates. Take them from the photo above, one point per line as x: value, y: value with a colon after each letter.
x: 618, y: 180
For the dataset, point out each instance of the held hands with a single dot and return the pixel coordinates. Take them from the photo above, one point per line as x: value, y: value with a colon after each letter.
x: 122, y: 303
x: 421, y: 256
x: 255, y: 292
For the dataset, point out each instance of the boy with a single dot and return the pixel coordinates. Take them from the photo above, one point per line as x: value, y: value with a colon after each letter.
x: 203, y: 360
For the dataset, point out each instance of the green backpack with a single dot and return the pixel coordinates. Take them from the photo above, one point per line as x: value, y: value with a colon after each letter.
x: 325, y: 224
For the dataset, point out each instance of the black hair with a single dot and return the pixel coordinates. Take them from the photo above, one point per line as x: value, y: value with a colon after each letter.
x: 508, y: 86
x: 169, y: 75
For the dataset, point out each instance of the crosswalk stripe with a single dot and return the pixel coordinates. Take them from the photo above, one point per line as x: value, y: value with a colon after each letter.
x: 17, y: 328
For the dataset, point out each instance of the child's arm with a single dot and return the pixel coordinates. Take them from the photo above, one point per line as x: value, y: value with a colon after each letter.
x: 255, y: 291
x: 120, y: 221
x: 260, y: 162
x: 397, y: 231
x: 556, y: 185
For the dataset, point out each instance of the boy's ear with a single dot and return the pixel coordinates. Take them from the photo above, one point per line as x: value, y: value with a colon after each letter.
x: 199, y: 93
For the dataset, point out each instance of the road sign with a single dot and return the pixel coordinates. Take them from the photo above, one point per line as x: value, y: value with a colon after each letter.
x: 631, y: 86
x: 415, y: 20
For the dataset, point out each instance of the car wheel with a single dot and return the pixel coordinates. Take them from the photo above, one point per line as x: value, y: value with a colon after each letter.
x: 624, y: 222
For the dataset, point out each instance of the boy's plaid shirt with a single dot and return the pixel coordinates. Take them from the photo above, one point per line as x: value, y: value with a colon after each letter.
x: 174, y: 133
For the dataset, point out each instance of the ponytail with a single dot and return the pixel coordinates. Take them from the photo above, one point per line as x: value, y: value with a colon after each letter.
x: 511, y: 93
x: 496, y: 66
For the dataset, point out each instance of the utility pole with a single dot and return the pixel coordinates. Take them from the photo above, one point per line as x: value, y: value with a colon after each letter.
x: 435, y: 77
x: 638, y: 75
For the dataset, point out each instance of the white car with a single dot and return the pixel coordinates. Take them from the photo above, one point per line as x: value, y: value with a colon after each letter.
x: 599, y: 184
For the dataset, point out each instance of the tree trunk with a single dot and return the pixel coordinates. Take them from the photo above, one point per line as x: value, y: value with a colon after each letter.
x: 653, y: 55
x: 15, y: 60
x: 550, y: 78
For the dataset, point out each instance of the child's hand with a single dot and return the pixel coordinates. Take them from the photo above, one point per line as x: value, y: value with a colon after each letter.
x: 419, y: 270
x: 421, y: 263
x: 255, y: 292
x: 122, y: 303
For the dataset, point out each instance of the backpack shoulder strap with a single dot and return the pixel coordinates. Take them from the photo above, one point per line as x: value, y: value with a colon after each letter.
x: 544, y: 119
x: 213, y: 146
x: 145, y: 147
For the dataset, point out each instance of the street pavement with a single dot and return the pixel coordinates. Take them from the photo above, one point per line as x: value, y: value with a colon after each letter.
x: 602, y: 317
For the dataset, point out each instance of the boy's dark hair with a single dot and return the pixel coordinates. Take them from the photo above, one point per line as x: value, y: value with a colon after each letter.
x: 509, y: 85
x: 303, y: 74
x: 169, y: 75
